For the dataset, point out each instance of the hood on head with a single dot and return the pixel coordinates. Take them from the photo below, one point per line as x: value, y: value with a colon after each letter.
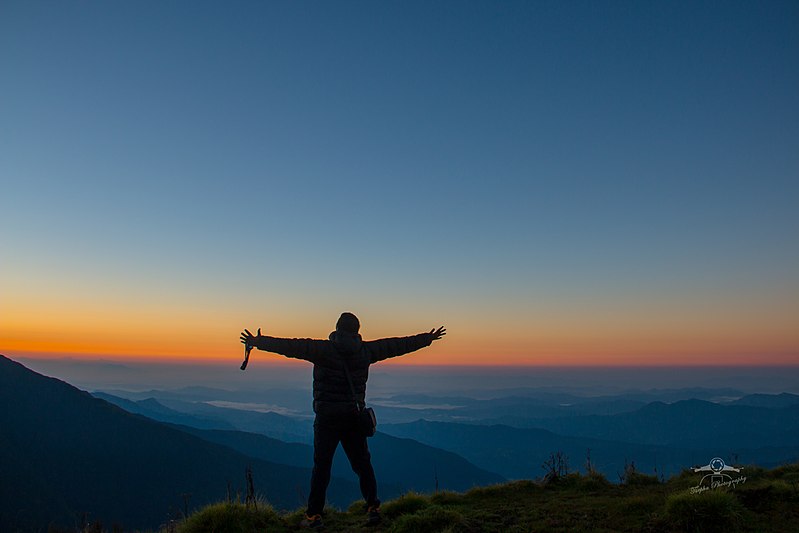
x: 348, y: 323
x: 347, y: 343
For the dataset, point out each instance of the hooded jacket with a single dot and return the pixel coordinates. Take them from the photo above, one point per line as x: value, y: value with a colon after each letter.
x: 332, y: 395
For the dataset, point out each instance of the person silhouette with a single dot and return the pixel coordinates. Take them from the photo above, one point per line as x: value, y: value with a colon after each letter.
x: 340, y: 371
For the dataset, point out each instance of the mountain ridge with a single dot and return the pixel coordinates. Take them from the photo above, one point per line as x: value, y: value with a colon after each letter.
x: 66, y: 453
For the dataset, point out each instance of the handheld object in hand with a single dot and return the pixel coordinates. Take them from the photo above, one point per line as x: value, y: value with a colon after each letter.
x: 247, y: 350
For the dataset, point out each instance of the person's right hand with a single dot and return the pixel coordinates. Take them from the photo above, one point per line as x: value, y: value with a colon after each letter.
x: 438, y: 333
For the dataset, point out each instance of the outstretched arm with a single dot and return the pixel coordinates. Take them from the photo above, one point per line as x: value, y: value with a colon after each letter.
x: 306, y: 349
x: 396, y: 346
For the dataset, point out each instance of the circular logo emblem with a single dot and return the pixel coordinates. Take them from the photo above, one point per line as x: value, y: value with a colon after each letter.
x: 717, y: 464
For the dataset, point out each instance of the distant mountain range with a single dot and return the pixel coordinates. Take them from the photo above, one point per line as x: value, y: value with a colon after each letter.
x: 689, y: 424
x: 666, y: 437
x: 521, y: 406
x: 773, y: 401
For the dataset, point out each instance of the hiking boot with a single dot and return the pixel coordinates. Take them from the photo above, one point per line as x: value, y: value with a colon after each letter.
x: 373, y: 516
x: 313, y: 522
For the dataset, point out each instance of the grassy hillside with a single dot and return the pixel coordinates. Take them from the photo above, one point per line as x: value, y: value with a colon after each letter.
x: 766, y: 501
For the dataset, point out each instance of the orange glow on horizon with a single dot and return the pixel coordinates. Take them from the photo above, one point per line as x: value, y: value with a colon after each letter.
x: 202, y: 334
x: 429, y: 357
x: 743, y: 361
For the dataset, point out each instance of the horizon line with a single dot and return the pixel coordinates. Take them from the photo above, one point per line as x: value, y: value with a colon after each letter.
x: 155, y: 361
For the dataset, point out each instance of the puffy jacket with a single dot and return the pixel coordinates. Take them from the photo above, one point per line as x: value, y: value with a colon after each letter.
x: 331, y: 391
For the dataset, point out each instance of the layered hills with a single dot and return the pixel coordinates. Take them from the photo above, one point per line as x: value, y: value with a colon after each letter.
x: 67, y: 457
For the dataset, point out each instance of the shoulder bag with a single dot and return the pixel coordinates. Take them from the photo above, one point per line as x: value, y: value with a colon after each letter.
x: 367, y: 420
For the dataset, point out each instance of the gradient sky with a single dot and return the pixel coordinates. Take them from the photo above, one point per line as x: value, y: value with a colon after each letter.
x: 556, y: 182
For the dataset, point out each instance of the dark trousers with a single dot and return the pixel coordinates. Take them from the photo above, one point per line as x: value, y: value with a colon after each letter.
x: 328, y: 432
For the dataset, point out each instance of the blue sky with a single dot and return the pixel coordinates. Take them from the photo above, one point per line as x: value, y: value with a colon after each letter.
x: 519, y: 167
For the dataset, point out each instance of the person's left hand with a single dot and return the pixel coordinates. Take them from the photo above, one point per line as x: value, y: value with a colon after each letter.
x: 438, y: 333
x: 248, y: 339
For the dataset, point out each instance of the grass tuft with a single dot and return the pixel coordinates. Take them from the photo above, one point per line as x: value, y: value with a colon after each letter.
x: 593, y: 482
x: 637, y: 479
x: 406, y: 504
x: 446, y: 497
x: 710, y: 512
x: 227, y: 517
x: 433, y: 519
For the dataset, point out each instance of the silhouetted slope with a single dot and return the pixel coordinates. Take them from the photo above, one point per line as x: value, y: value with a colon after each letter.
x: 271, y: 424
x: 63, y: 453
x: 417, y: 465
x: 256, y: 445
x: 152, y: 408
x: 201, y: 415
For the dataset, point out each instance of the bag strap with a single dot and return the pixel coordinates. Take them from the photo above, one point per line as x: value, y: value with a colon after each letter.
x: 352, y: 387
